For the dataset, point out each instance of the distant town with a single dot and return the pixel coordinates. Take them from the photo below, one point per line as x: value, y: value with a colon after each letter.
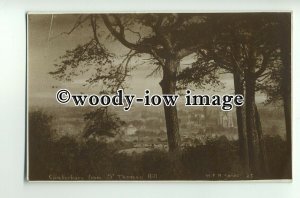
x: 144, y: 128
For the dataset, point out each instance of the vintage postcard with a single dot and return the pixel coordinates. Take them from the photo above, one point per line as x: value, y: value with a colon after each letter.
x: 159, y: 96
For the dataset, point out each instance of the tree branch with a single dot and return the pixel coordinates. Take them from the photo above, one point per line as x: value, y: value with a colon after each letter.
x: 121, y: 37
x: 78, y: 22
x: 264, y: 64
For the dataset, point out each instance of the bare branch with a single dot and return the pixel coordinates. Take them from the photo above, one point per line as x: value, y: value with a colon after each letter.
x: 187, y: 51
x: 154, y: 71
x: 213, y: 56
x: 80, y: 20
x: 94, y: 27
x: 121, y: 37
x: 235, y: 63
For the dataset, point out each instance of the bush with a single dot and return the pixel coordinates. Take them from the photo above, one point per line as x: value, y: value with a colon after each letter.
x: 278, y: 158
x: 39, y: 138
x: 217, y: 156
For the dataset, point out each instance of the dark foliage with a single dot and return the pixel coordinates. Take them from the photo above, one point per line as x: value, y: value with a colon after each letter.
x: 39, y: 141
x: 93, y: 160
x: 101, y: 122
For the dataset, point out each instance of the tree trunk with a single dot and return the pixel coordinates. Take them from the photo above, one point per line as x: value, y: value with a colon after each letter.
x: 285, y: 45
x: 241, y: 125
x: 168, y: 85
x: 252, y: 134
x: 263, y: 156
x: 288, y: 121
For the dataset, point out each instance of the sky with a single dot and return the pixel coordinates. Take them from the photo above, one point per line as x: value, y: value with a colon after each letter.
x: 46, y: 44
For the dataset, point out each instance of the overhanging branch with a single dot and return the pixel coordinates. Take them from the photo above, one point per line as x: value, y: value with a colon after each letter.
x: 121, y: 37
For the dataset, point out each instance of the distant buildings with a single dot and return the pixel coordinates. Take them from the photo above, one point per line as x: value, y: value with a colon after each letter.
x: 205, y: 119
x: 225, y: 119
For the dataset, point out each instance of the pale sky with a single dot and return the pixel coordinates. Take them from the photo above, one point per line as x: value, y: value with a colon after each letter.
x: 45, y: 48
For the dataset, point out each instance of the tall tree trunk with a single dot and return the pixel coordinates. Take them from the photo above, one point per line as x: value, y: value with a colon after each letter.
x: 241, y: 124
x: 168, y: 85
x: 252, y: 134
x: 287, y: 113
x: 263, y: 156
x: 285, y: 83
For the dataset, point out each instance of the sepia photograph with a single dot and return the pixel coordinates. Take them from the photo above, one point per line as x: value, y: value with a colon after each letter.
x: 159, y: 96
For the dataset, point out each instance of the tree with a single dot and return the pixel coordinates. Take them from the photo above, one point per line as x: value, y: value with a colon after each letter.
x: 278, y: 84
x: 262, y: 56
x: 166, y: 38
x: 100, y: 122
x: 222, y: 53
x: 244, y: 45
x: 285, y: 81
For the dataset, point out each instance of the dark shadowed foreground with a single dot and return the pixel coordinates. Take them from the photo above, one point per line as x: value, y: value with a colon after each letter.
x: 67, y: 158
